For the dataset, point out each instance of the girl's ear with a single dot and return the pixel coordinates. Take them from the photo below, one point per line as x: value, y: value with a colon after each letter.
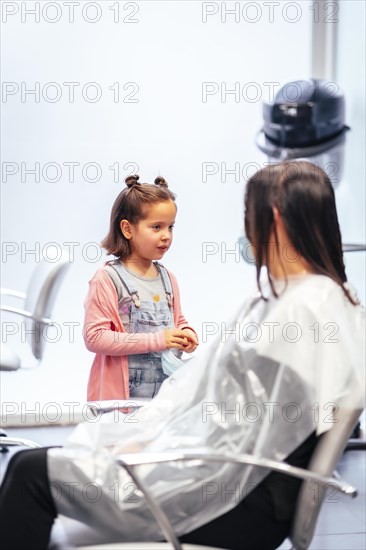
x: 126, y: 229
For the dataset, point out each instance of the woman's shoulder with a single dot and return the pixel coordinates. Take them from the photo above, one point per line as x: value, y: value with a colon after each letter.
x: 316, y: 295
x: 317, y: 287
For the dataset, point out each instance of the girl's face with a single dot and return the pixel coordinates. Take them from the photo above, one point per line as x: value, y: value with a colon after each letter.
x: 151, y: 237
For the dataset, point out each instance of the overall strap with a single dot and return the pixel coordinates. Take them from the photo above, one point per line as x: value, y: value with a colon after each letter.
x: 123, y: 277
x: 166, y: 283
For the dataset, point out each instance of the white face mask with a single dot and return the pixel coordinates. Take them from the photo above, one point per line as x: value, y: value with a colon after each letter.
x: 170, y: 362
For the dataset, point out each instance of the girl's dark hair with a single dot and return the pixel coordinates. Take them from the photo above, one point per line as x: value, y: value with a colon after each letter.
x: 129, y: 205
x: 304, y: 197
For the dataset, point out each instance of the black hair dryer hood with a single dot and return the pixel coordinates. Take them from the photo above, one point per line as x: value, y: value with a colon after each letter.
x: 305, y: 119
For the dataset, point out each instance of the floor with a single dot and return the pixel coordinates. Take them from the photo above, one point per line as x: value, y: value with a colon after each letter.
x: 342, y: 522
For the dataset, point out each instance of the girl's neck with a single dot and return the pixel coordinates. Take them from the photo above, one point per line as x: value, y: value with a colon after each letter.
x: 144, y: 268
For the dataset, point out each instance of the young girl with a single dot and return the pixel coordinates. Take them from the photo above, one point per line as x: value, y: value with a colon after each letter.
x: 132, y: 311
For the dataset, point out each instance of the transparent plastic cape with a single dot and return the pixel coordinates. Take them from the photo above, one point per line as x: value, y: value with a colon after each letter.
x: 238, y: 398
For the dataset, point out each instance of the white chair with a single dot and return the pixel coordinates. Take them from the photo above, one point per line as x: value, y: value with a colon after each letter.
x: 38, y: 302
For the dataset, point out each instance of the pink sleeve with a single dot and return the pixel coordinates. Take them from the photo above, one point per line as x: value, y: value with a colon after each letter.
x: 103, y: 330
x: 179, y: 319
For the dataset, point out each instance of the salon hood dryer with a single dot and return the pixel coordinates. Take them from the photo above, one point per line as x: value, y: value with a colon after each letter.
x: 306, y: 121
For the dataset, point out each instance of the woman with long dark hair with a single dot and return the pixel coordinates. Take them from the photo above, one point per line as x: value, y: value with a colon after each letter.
x: 291, y: 221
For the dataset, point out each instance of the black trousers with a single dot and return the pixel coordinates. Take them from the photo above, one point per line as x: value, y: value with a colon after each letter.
x: 27, y: 509
x: 261, y: 521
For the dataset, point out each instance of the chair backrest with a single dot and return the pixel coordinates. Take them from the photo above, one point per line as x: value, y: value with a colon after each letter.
x: 40, y: 298
x: 324, y: 460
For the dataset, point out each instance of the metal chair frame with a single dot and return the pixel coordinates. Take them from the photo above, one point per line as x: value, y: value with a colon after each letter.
x: 130, y: 461
x: 38, y: 301
x: 321, y: 469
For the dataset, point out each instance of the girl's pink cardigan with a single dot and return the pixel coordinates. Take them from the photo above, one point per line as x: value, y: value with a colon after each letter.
x: 105, y: 335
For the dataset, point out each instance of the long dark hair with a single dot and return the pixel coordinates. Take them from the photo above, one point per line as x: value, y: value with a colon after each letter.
x: 304, y: 197
x: 129, y: 205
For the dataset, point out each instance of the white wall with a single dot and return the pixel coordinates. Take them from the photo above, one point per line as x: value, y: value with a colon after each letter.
x: 169, y: 52
x: 351, y: 195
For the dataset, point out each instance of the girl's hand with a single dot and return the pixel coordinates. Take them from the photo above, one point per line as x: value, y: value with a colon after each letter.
x: 175, y: 338
x: 191, y: 342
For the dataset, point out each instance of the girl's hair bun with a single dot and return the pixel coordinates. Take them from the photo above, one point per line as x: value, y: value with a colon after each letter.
x: 130, y: 181
x: 161, y: 181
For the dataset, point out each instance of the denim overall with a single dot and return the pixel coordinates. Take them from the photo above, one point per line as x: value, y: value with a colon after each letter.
x: 145, y: 371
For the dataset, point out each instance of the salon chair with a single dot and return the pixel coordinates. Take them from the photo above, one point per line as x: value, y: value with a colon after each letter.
x: 37, y: 302
x: 71, y: 534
